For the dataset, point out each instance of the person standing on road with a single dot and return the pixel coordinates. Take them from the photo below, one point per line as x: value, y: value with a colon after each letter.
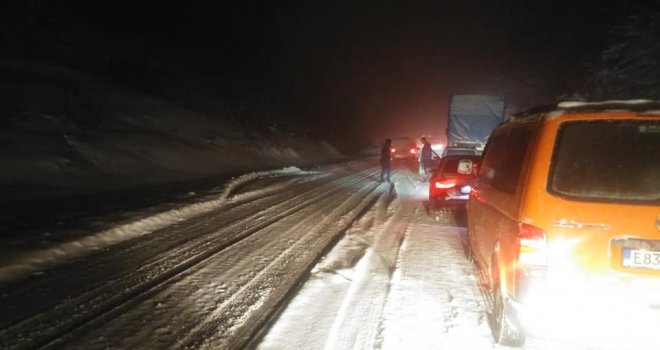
x: 386, y: 161
x: 426, y: 159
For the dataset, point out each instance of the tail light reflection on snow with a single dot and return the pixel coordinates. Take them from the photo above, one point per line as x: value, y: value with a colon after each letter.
x: 582, y: 306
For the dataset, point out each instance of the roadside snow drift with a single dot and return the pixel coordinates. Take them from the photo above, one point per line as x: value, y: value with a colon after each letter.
x: 65, y: 132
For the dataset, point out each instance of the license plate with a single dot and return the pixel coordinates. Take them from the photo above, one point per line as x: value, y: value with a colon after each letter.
x: 466, y: 189
x: 641, y: 259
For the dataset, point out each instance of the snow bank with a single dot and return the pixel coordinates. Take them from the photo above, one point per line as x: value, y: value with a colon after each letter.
x: 65, y: 133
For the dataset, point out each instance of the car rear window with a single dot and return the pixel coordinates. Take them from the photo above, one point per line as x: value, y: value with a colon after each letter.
x: 459, y: 167
x: 615, y: 160
x: 460, y: 152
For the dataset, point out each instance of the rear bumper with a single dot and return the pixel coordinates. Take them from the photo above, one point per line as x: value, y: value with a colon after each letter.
x: 436, y: 203
x: 451, y: 197
x: 607, y: 312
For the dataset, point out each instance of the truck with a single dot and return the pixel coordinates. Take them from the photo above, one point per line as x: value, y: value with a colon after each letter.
x: 472, y: 118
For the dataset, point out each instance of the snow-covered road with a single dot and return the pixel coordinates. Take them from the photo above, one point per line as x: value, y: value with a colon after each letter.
x: 330, y: 259
x: 398, y: 280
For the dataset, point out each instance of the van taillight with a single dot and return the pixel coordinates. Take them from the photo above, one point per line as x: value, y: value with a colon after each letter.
x: 533, y: 245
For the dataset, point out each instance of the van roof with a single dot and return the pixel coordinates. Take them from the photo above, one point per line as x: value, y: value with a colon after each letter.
x: 638, y: 106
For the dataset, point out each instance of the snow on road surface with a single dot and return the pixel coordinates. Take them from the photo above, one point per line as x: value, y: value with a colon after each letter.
x: 35, y: 260
x: 399, y: 280
x: 330, y: 259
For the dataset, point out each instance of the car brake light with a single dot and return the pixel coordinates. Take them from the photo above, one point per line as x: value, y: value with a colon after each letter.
x: 392, y: 150
x: 412, y: 150
x: 533, y: 245
x: 444, y: 184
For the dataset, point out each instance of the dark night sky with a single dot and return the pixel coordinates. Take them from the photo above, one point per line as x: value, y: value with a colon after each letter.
x: 383, y: 68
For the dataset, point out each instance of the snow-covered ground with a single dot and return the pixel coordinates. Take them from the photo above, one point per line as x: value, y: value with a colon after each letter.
x: 324, y: 259
x: 65, y: 132
x: 399, y: 279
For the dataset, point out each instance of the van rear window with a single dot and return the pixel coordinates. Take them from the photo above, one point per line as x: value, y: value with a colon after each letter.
x: 616, y: 160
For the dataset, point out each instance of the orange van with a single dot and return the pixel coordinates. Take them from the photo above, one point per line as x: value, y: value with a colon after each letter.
x: 564, y: 224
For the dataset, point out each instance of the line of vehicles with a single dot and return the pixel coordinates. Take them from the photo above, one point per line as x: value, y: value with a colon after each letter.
x: 563, y: 211
x: 471, y: 120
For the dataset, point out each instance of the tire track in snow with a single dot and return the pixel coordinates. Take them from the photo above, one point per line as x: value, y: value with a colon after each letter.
x: 434, y: 302
x: 78, y: 314
x: 289, y: 263
x: 93, y: 272
x: 193, y: 308
x: 35, y: 261
x: 342, y: 303
x: 356, y: 325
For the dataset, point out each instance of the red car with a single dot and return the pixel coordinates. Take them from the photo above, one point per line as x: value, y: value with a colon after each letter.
x: 450, y: 184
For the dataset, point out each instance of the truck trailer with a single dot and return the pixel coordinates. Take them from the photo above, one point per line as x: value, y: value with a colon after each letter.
x: 472, y: 118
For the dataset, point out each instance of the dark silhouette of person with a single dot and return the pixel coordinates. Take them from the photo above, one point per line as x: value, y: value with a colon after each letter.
x: 426, y: 158
x: 386, y: 161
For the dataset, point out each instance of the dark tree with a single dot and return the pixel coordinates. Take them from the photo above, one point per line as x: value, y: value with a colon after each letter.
x: 630, y: 66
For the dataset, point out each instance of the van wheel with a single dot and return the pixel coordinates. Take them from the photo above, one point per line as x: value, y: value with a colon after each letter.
x: 503, y: 330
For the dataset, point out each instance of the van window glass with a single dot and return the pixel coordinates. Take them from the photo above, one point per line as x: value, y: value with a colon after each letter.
x: 504, y: 158
x: 616, y: 160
